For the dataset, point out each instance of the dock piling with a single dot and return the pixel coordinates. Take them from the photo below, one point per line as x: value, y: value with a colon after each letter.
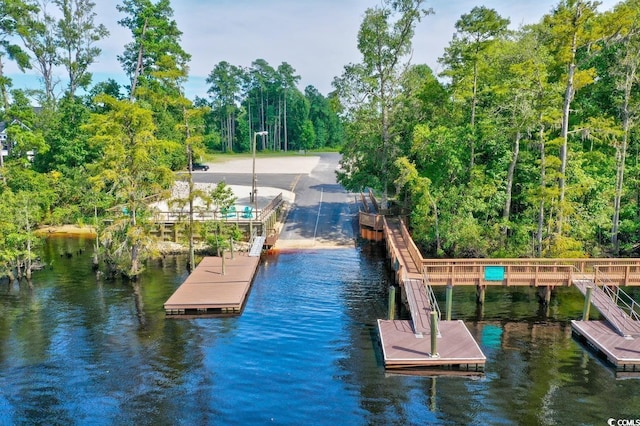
x: 434, y: 335
x: 449, y: 295
x: 544, y: 295
x: 480, y: 293
x: 587, y: 304
x: 392, y: 302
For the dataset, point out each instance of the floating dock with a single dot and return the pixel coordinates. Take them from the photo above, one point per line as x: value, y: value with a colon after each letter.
x: 623, y: 352
x: 455, y: 346
x: 208, y: 291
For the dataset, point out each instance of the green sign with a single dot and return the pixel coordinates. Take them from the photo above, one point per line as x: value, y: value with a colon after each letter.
x: 494, y: 273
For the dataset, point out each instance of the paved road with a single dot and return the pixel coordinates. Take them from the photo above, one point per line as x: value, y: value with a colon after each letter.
x: 322, y: 215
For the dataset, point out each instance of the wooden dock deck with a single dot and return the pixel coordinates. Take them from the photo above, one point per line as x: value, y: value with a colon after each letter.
x: 622, y: 352
x: 402, y: 349
x: 208, y: 291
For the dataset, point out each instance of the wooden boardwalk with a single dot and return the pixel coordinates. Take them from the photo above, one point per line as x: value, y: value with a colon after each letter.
x: 399, y: 250
x: 208, y: 291
x: 407, y: 344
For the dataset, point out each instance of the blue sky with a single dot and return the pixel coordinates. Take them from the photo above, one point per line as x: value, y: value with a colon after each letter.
x: 316, y: 37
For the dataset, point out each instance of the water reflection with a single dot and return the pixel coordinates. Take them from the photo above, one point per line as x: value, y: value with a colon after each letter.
x: 78, y: 350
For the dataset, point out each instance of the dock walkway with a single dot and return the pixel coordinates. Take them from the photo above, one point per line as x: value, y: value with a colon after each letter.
x: 419, y: 306
x: 620, y: 321
x: 208, y: 291
x: 407, y: 344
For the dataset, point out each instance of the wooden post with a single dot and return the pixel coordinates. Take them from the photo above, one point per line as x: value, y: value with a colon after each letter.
x: 392, y: 302
x: 449, y: 294
x: 587, y: 304
x: 231, y: 245
x: 432, y: 396
x: 480, y: 292
x: 434, y: 334
x: 224, y: 271
x: 544, y: 294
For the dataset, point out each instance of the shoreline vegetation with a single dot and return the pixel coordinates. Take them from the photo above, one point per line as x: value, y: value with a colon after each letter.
x: 163, y: 248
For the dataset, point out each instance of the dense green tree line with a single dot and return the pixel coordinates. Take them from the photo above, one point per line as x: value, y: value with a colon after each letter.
x: 263, y: 98
x: 102, y: 152
x: 525, y: 145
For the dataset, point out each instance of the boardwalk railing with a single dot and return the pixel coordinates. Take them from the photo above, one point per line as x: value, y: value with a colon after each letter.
x: 623, y: 300
x: 432, y: 300
x: 395, y: 253
x: 415, y: 254
x: 372, y: 220
x: 372, y: 197
x: 534, y: 272
x: 245, y: 214
x: 528, y: 272
x: 271, y: 207
x: 176, y: 216
x: 476, y: 274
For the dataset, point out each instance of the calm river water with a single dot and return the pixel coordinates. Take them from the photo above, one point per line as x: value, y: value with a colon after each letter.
x: 77, y: 350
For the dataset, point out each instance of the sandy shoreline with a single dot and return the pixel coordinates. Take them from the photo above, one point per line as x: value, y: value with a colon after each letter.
x: 75, y: 230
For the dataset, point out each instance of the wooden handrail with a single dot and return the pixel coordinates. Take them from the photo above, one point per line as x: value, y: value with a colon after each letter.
x: 526, y: 271
x: 415, y: 254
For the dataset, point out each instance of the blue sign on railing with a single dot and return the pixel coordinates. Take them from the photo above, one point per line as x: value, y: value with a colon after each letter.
x: 494, y: 273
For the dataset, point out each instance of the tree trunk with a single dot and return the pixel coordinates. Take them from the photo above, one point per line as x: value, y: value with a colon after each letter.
x: 512, y: 167
x: 135, y: 250
x: 138, y: 69
x: 564, y: 132
x: 192, y: 263
x: 262, y: 117
x: 474, y: 101
x: 3, y: 91
x: 437, y: 225
x: 28, y: 264
x: 385, y: 143
x: 229, y: 131
x: 279, y: 126
x: 621, y: 156
x: 543, y: 184
x: 286, y: 141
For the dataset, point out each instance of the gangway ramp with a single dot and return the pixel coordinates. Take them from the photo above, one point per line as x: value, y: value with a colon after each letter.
x: 622, y: 322
x: 256, y: 247
x: 408, y: 344
x: 419, y: 306
x: 617, y: 338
